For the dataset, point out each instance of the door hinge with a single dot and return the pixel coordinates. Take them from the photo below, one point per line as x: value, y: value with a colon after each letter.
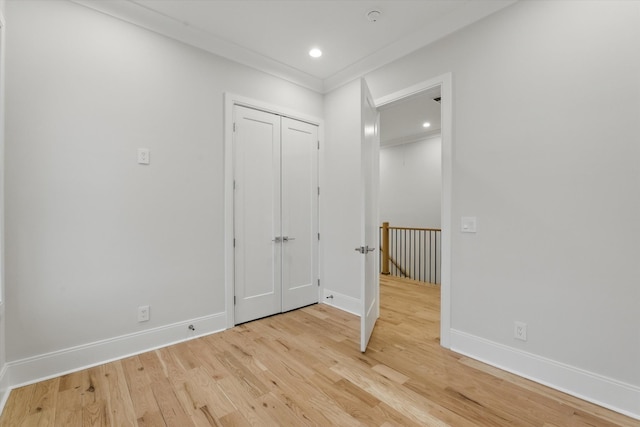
x: 318, y: 144
x: 234, y: 184
x: 234, y: 300
x: 234, y: 127
x: 318, y: 282
x: 318, y: 191
x: 318, y: 236
x: 234, y: 242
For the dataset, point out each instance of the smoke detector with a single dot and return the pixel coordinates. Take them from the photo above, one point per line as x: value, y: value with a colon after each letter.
x: 373, y: 15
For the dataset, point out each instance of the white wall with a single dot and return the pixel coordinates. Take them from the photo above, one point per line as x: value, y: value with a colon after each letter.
x: 91, y: 234
x: 3, y: 377
x: 547, y: 102
x: 546, y: 130
x: 411, y: 184
x: 340, y: 195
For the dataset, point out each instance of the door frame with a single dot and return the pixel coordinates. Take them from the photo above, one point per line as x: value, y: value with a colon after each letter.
x: 445, y: 81
x: 230, y: 100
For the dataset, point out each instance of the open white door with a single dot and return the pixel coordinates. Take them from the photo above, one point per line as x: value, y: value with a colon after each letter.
x: 370, y: 146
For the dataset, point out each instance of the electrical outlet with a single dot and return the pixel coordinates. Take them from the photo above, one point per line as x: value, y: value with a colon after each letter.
x: 520, y: 331
x: 143, y: 313
x: 143, y: 156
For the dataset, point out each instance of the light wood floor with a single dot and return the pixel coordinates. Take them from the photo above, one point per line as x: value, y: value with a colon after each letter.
x: 304, y: 368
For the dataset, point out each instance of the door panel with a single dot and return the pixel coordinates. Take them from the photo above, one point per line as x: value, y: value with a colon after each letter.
x: 257, y: 214
x: 299, y: 213
x: 275, y: 214
x: 370, y: 146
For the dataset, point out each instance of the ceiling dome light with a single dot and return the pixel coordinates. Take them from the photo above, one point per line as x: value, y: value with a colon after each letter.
x: 426, y: 124
x: 315, y: 53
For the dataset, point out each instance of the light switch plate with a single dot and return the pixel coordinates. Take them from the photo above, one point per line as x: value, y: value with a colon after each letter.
x: 468, y: 224
x: 143, y: 156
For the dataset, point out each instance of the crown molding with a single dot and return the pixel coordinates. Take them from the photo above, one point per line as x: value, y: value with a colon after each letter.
x: 148, y: 19
x: 408, y: 139
x: 141, y: 16
x: 471, y: 12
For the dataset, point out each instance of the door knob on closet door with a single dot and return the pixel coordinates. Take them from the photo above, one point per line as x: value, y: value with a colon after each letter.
x: 287, y: 238
x: 277, y: 239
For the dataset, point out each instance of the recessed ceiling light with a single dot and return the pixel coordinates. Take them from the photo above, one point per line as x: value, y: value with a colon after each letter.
x: 315, y: 53
x: 426, y: 124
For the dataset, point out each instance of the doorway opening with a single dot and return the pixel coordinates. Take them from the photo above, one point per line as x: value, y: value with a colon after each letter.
x: 411, y: 187
x: 403, y: 110
x: 410, y: 195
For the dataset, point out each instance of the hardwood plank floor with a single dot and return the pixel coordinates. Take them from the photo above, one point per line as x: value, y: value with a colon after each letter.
x: 304, y: 368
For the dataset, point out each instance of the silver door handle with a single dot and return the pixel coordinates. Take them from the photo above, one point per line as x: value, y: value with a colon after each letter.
x: 287, y: 238
x: 277, y: 239
x: 364, y: 249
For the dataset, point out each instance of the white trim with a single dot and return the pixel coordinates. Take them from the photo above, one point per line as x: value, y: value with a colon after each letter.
x: 471, y: 12
x: 342, y: 302
x: 4, y: 377
x: 51, y: 365
x: 143, y: 17
x: 411, y: 139
x: 148, y: 18
x: 231, y: 99
x: 5, y: 387
x: 603, y: 391
x: 3, y: 50
x: 445, y: 82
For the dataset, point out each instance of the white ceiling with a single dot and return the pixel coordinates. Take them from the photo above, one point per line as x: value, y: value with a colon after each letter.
x: 401, y: 121
x: 275, y: 35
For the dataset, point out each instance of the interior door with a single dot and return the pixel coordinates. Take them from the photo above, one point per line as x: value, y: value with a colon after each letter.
x: 299, y: 214
x: 370, y: 146
x: 257, y: 269
x: 275, y: 214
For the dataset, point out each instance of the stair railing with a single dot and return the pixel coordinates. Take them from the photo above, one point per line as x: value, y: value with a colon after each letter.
x: 410, y: 252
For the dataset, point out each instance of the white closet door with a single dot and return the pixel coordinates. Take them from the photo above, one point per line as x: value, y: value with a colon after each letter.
x: 299, y: 214
x: 258, y: 282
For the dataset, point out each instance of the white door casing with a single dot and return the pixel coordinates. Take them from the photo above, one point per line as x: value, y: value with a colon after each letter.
x: 445, y: 81
x: 370, y: 158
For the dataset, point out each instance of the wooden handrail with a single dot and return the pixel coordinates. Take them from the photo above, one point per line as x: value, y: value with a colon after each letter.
x: 412, y: 228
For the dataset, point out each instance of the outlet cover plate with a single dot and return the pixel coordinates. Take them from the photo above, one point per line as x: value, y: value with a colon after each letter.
x: 520, y: 331
x: 143, y: 313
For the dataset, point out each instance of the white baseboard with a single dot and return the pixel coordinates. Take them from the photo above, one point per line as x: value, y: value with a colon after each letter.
x: 603, y: 391
x: 51, y: 365
x: 5, y: 388
x: 343, y: 302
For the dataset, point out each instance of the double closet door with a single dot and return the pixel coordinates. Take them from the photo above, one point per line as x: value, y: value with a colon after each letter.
x: 275, y: 214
